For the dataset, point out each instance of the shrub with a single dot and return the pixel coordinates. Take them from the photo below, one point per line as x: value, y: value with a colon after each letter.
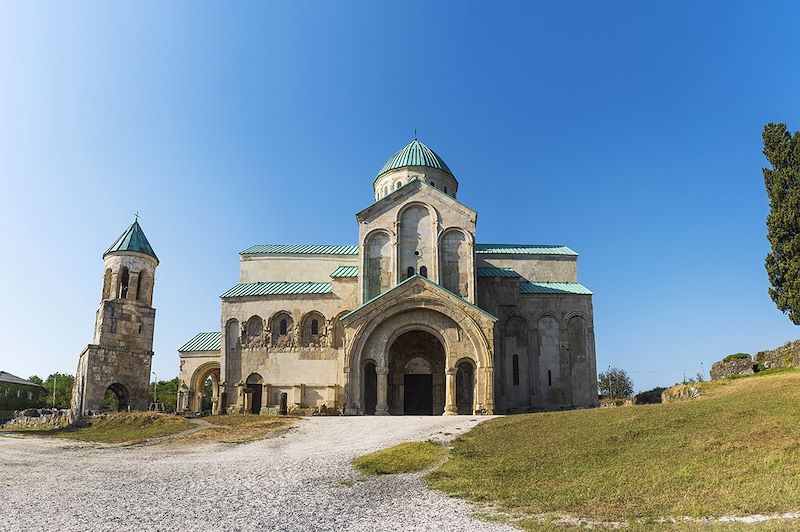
x: 650, y: 396
x: 735, y: 356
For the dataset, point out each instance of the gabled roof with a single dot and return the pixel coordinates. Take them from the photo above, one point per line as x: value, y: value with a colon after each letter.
x: 132, y: 239
x: 409, y: 280
x: 523, y: 249
x: 277, y: 288
x: 301, y: 249
x: 530, y: 287
x: 403, y: 188
x: 345, y: 271
x: 13, y: 379
x: 414, y: 153
x: 204, y: 341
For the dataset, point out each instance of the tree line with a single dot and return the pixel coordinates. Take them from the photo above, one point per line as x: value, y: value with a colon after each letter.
x: 163, y: 391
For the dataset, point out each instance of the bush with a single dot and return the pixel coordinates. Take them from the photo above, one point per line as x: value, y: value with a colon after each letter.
x: 650, y: 396
x: 735, y: 356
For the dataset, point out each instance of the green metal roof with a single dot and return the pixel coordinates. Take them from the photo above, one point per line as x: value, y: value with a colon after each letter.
x: 204, y: 341
x: 301, y: 249
x: 132, y: 239
x: 496, y: 272
x: 529, y: 287
x: 345, y: 271
x: 278, y: 288
x: 415, y: 154
x: 523, y: 249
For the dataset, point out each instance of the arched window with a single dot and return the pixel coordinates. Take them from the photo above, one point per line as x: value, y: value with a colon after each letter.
x: 410, y: 272
x: 398, y: 185
x: 515, y: 370
x: 139, y: 283
x: 423, y: 271
x: 386, y: 190
x: 314, y: 327
x: 107, y: 284
x: 255, y: 326
x: 123, y: 284
x: 433, y: 184
x: 283, y: 327
x: 445, y: 190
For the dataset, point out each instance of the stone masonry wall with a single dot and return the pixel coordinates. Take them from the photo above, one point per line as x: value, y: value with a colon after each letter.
x: 101, y: 367
x: 737, y: 366
x: 787, y: 356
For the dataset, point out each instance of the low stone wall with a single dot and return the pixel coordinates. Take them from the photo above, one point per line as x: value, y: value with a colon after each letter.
x: 787, y: 356
x: 680, y: 392
x: 40, y: 418
x: 737, y: 366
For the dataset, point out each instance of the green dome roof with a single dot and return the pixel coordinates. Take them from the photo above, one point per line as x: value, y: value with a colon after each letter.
x: 132, y: 239
x: 415, y: 154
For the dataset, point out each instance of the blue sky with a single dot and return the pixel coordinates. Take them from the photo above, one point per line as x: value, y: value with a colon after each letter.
x: 629, y: 131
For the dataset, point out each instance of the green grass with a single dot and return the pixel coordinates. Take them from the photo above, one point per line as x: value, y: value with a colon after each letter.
x: 128, y: 427
x: 733, y: 451
x: 402, y: 458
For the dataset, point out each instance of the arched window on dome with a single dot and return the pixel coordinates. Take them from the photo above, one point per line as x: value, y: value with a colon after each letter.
x: 385, y: 191
x: 398, y: 185
x: 433, y: 184
x: 423, y: 271
x: 410, y: 272
x: 445, y: 190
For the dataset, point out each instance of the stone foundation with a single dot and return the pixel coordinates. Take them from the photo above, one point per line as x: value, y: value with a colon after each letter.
x: 40, y: 418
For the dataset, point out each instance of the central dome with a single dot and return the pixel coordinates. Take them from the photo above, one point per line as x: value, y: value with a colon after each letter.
x: 414, y: 154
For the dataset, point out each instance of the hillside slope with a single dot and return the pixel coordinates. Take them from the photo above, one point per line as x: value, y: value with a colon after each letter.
x: 733, y: 451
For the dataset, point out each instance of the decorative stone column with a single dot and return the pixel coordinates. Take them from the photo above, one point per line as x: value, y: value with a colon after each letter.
x: 489, y: 390
x: 382, y: 408
x: 450, y: 408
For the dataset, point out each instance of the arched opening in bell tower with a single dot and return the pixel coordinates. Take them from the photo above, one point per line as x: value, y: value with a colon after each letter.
x: 116, y: 398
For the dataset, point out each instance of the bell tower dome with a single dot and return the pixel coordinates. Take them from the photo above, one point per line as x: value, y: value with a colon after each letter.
x: 415, y: 161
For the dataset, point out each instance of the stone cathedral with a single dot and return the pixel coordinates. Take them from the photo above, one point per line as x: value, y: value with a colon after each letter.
x: 417, y: 318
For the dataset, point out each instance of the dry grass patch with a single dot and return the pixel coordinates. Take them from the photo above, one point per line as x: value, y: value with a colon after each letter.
x: 402, y: 458
x: 734, y: 451
x: 123, y: 427
x: 236, y: 429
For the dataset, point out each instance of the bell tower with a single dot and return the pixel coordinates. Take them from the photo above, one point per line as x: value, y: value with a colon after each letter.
x: 117, y: 362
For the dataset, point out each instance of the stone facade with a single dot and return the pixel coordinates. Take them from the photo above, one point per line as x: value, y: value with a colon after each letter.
x: 119, y: 358
x: 415, y: 319
x: 731, y: 368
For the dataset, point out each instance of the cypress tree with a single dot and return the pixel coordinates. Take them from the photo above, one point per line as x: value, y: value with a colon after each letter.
x: 782, y: 150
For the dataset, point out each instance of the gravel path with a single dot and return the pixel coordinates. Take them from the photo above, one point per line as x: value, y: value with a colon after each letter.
x: 301, y: 480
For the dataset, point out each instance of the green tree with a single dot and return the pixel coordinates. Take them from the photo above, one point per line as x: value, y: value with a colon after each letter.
x: 167, y: 392
x: 63, y: 385
x: 615, y: 382
x: 782, y: 150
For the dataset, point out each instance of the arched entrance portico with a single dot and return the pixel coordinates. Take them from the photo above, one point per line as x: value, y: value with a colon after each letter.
x: 200, y: 399
x: 415, y: 348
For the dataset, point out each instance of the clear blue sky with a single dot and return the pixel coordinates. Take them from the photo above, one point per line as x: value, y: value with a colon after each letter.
x: 629, y: 131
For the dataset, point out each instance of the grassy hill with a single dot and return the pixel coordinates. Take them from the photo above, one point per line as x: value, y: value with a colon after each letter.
x: 733, y: 451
